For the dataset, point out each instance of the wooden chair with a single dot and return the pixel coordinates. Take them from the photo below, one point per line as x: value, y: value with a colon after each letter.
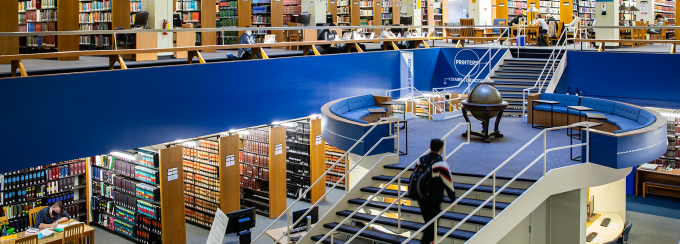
x: 3, y: 220
x: 452, y: 32
x: 30, y: 239
x: 558, y: 33
x: 73, y: 234
x: 33, y: 213
x: 293, y: 36
x: 467, y: 32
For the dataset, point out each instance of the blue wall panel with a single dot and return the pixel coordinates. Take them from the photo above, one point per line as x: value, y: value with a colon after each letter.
x: 650, y: 83
x: 55, y: 118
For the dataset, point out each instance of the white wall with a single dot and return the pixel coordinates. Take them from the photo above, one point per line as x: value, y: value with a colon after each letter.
x: 457, y: 10
x: 610, y: 198
x: 485, y: 17
x: 610, y: 19
x: 473, y: 10
x: 160, y: 10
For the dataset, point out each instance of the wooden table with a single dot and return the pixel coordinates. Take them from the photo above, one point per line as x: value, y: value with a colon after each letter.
x: 184, y: 39
x: 279, y: 233
x: 531, y: 33
x: 659, y: 176
x: 608, y: 233
x: 88, y: 236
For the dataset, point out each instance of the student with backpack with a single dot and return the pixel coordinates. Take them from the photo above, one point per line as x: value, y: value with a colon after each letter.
x: 427, y: 184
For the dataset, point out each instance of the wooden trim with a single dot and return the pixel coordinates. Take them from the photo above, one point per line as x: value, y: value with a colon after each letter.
x: 172, y: 197
x: 261, y: 51
x: 9, y: 22
x: 277, y: 172
x: 354, y: 45
x: 193, y: 54
x: 120, y: 14
x: 355, y: 12
x: 277, y: 19
x: 396, y: 12
x: 230, y: 179
x: 67, y: 20
x: 116, y: 58
x: 325, y: 110
x: 17, y: 64
x: 208, y: 20
x: 306, y: 48
x: 317, y: 162
x: 332, y: 7
x: 672, y: 48
x: 502, y: 11
x: 88, y: 173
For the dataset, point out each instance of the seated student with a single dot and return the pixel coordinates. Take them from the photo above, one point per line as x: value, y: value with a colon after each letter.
x: 52, y: 216
x: 571, y: 27
x: 247, y: 38
x: 324, y: 35
x: 515, y: 22
x: 659, y: 22
x: 540, y: 22
x: 387, y: 33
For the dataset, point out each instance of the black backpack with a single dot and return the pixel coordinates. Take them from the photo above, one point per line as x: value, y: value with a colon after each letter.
x: 419, y: 186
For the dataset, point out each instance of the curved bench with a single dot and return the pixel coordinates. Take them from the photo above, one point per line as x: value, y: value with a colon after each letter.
x: 631, y: 135
x: 345, y: 120
x: 624, y: 116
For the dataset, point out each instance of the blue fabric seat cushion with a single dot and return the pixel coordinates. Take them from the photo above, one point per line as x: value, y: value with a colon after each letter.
x: 599, y: 105
x: 556, y: 108
x: 359, y: 102
x: 615, y: 119
x: 339, y: 108
x: 357, y: 115
x: 626, y: 111
x: 646, y: 118
x: 627, y: 126
x: 565, y: 100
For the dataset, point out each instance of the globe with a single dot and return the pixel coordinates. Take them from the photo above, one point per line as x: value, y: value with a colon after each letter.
x: 484, y: 93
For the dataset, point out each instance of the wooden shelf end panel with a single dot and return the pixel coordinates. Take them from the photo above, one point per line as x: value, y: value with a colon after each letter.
x: 277, y: 171
x: 172, y: 196
x: 230, y: 180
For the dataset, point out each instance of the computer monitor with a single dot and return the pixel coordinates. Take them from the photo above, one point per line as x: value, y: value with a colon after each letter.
x: 329, y: 18
x: 303, y: 19
x: 140, y: 19
x: 406, y: 20
x: 314, y: 214
x: 591, y: 209
x: 176, y: 20
x: 241, y: 220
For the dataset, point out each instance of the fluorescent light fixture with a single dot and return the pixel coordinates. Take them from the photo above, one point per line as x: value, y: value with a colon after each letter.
x: 289, y: 124
x: 123, y: 155
x: 244, y: 132
x: 276, y: 123
x: 315, y: 115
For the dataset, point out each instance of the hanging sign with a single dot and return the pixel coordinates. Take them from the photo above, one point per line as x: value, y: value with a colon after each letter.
x: 278, y: 149
x: 172, y: 174
x: 318, y: 140
x: 230, y: 160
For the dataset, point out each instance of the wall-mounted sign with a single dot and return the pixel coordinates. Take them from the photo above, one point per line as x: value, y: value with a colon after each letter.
x: 172, y: 174
x: 230, y: 160
x: 278, y: 149
x: 355, y: 2
x: 565, y: 3
x: 396, y: 4
x: 501, y: 5
x: 318, y: 140
x: 532, y: 4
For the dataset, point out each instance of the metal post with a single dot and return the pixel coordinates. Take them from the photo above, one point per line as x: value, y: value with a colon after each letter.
x: 545, y: 163
x: 435, y: 231
x: 494, y: 195
x: 399, y: 204
x: 288, y: 225
x: 115, y: 42
x: 588, y: 144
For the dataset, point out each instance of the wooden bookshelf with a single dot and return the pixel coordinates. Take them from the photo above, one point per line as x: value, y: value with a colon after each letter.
x: 67, y: 21
x: 332, y: 7
x: 377, y: 13
x: 317, y: 161
x: 355, y: 12
x: 229, y: 175
x: 343, y: 13
x: 9, y: 45
x: 202, y: 175
x: 501, y: 9
x: 208, y: 18
x: 396, y: 11
x: 172, y: 202
x: 427, y: 7
x: 277, y: 172
x: 566, y: 11
x: 332, y: 154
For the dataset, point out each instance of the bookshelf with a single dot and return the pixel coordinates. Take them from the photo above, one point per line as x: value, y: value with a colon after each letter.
x: 332, y: 154
x: 95, y: 15
x: 586, y: 11
x: 672, y: 155
x: 228, y: 17
x: 201, y: 181
x: 552, y: 7
x: 390, y: 12
x: 440, y: 17
x: 516, y: 7
x: 366, y: 10
x: 135, y: 7
x: 290, y: 8
x: 33, y: 187
x: 37, y: 16
x: 261, y: 17
x: 667, y: 10
x: 427, y: 7
x: 343, y: 14
x: 126, y: 194
x: 262, y: 155
x: 298, y: 159
x: 9, y: 45
x: 332, y: 8
x: 172, y: 216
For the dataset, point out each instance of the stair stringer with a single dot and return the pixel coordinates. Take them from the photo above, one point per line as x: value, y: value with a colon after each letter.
x: 343, y: 203
x: 554, y: 182
x: 557, y: 75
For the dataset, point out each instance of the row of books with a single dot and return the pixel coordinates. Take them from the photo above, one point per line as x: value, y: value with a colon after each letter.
x: 190, y: 16
x: 94, y: 17
x: 228, y: 13
x: 96, y: 26
x: 202, y: 193
x: 257, y: 135
x: 292, y: 9
x: 149, y: 209
x: 230, y: 4
x: 189, y: 6
x: 94, y: 6
x: 103, y: 189
x: 149, y: 224
x: 20, y: 210
x: 198, y: 217
x: 40, y: 15
x: 15, y: 181
x: 148, y: 192
x: 261, y: 9
x: 254, y: 146
x: 195, y: 168
x: 586, y: 3
x: 255, y: 159
x: 201, y: 181
x: 366, y: 12
x: 256, y: 172
x: 262, y: 1
x: 387, y: 16
x: 203, y: 145
x: 249, y: 182
x: 365, y: 3
x: 135, y: 6
x: 343, y: 10
x: 344, y: 19
x: 586, y: 10
x: 365, y: 22
x: 37, y: 4
x: 343, y: 3
x: 552, y: 4
x: 200, y: 156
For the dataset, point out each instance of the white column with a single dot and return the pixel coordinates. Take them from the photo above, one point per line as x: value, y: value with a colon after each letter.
x: 610, y: 18
x: 160, y: 10
x: 317, y: 8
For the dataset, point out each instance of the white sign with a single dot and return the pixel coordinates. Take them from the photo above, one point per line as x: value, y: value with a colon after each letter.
x: 644, y: 7
x: 607, y: 188
x: 219, y: 226
x: 172, y: 174
x: 407, y: 75
x: 318, y: 140
x: 278, y: 149
x: 230, y: 160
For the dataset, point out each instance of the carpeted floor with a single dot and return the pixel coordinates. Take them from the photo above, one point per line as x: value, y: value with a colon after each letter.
x: 655, y: 229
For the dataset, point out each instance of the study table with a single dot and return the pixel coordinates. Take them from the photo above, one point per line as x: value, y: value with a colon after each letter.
x: 88, y: 236
x: 279, y: 233
x: 664, y: 182
x: 609, y: 233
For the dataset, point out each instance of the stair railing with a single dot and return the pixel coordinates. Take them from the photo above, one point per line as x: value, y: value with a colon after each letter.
x: 553, y: 57
x: 492, y: 175
x: 400, y: 195
x: 391, y: 121
x: 505, y: 43
x: 388, y: 93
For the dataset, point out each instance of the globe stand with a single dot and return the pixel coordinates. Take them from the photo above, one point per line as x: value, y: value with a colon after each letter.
x: 486, y: 108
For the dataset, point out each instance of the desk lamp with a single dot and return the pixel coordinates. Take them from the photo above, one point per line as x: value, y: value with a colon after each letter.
x: 622, y: 8
x: 532, y: 10
x: 632, y: 9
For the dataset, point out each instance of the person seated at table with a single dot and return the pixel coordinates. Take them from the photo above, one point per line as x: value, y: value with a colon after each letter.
x: 540, y: 22
x: 659, y: 22
x: 408, y: 34
x: 52, y: 216
x: 571, y: 27
x: 247, y: 38
x: 515, y: 22
x: 387, y: 33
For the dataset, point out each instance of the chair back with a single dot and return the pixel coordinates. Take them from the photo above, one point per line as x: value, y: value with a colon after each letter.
x: 120, y: 37
x: 3, y: 220
x: 73, y: 234
x: 30, y: 239
x: 467, y: 31
x: 498, y: 22
x: 626, y: 231
x: 663, y: 31
x: 32, y: 214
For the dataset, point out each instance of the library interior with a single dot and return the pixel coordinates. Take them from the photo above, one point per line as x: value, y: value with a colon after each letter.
x: 160, y: 133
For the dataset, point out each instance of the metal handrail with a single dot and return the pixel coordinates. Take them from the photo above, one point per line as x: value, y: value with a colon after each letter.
x: 399, y: 194
x: 388, y: 93
x: 323, y: 178
x: 587, y: 125
x: 553, y: 57
x: 441, y: 90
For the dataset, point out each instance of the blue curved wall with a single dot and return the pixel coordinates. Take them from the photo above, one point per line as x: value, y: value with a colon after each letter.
x: 344, y: 136
x: 628, y: 151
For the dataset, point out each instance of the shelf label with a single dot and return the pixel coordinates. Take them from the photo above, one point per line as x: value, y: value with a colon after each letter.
x: 356, y: 2
x: 230, y: 160
x: 278, y: 149
x: 501, y: 4
x: 565, y: 3
x: 172, y: 174
x: 396, y: 4
x: 318, y: 140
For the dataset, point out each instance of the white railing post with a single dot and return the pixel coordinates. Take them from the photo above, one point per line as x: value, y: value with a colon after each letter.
x: 399, y: 202
x: 545, y: 156
x: 588, y: 144
x: 435, y: 230
x: 494, y: 195
x: 288, y: 225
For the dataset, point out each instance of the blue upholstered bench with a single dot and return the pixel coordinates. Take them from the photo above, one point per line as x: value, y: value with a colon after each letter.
x: 624, y: 116
x: 354, y: 108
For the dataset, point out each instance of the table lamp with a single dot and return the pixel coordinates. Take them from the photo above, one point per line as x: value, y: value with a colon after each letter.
x: 632, y: 9
x: 622, y: 8
x: 532, y: 10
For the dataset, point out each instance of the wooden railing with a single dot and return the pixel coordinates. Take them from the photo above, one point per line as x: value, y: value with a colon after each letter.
x: 601, y: 46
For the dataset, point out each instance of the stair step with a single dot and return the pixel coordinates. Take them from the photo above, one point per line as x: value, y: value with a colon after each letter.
x: 370, y: 234
x: 517, y: 96
x: 489, y: 189
x: 401, y: 167
x: 409, y: 225
x: 514, y: 83
x: 480, y: 220
x: 468, y: 202
x: 520, y: 76
x: 517, y: 89
x: 513, y: 67
x: 327, y: 240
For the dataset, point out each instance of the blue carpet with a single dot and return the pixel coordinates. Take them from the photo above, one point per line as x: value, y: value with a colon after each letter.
x: 482, y: 158
x: 654, y: 205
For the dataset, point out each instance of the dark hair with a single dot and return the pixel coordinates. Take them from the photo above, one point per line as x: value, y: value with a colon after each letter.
x: 59, y: 205
x: 575, y: 12
x: 436, y: 145
x: 658, y: 16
